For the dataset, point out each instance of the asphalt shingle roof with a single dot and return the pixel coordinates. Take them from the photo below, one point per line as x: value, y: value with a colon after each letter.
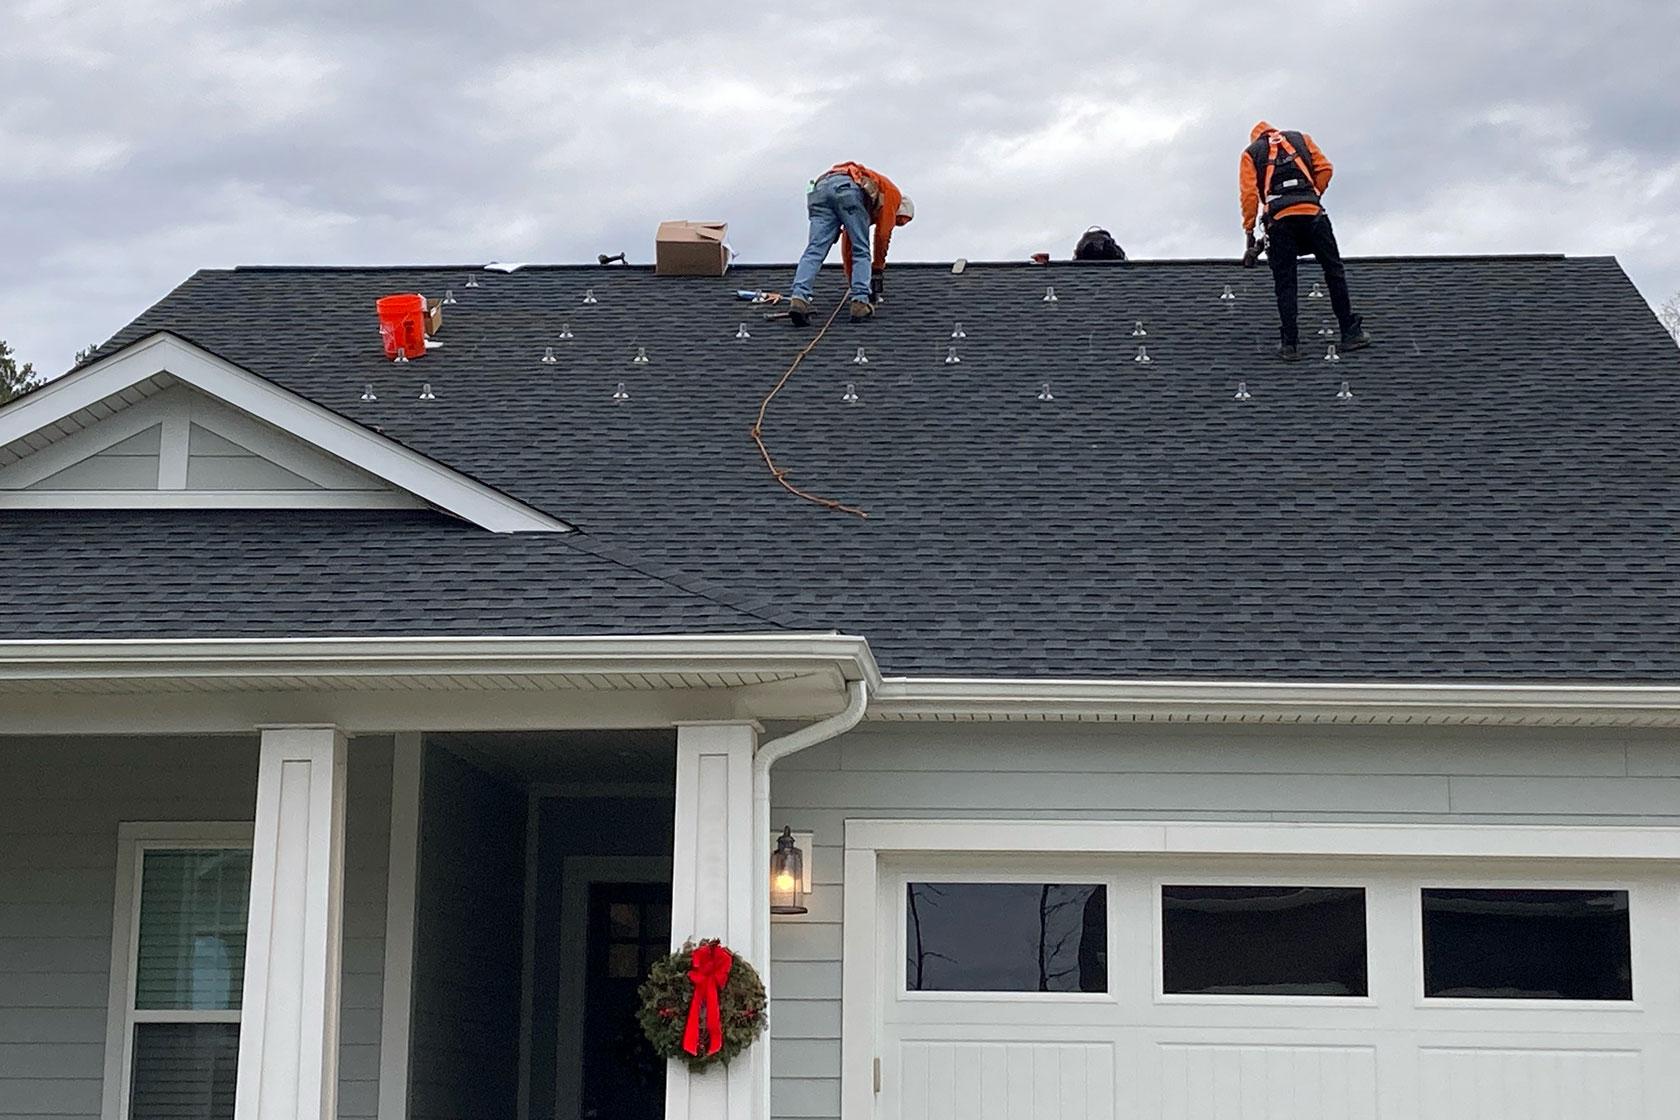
x: 1498, y: 500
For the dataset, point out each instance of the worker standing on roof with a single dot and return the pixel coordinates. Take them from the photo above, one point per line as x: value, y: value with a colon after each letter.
x: 844, y: 202
x: 1283, y: 177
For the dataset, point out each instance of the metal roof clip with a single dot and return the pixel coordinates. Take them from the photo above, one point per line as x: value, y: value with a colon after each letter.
x: 1044, y: 393
x: 1050, y: 296
x: 426, y: 393
x: 951, y: 357
x: 1242, y: 393
x: 548, y: 357
x: 850, y: 396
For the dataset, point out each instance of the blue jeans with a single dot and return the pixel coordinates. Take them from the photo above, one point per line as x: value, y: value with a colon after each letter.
x: 835, y: 203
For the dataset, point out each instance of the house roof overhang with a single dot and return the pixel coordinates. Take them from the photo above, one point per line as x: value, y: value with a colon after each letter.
x: 388, y: 684
x: 92, y: 392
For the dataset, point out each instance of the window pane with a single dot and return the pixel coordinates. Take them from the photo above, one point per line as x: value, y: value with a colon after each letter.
x: 1263, y: 941
x: 192, y: 929
x: 1498, y: 944
x: 184, y: 1071
x: 1007, y: 937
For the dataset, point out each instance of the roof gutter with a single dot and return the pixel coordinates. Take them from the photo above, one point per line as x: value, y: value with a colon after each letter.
x: 767, y: 755
x: 1264, y: 701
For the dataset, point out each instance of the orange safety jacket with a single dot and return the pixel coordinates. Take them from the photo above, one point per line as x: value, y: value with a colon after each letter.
x: 1249, y: 186
x: 884, y: 199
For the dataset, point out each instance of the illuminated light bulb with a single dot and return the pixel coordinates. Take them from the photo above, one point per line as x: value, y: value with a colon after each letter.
x: 784, y: 882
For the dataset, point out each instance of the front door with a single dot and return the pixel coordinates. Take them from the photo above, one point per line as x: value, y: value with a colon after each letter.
x: 629, y: 928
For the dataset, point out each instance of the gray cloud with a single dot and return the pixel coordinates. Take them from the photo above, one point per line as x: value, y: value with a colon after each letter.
x: 140, y: 141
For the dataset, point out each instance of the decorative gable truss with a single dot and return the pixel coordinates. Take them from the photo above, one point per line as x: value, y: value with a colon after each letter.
x: 163, y: 424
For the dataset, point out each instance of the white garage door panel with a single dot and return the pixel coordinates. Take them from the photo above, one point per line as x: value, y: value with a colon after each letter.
x: 959, y: 1080
x: 1505, y: 1084
x: 1133, y: 1052
x: 1199, y: 1082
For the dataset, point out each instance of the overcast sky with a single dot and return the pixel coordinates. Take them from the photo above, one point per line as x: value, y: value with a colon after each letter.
x: 142, y: 140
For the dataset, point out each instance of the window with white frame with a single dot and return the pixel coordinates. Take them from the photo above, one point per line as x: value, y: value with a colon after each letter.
x: 178, y: 969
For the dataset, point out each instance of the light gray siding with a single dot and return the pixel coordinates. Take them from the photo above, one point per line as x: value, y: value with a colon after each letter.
x: 468, y: 944
x: 61, y: 800
x: 1160, y: 771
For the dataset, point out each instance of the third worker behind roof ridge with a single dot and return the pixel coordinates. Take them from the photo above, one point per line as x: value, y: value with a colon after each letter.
x: 1283, y: 176
x: 843, y: 203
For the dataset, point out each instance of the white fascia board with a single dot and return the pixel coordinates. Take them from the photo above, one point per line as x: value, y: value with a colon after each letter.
x: 931, y: 697
x: 384, y: 458
x: 849, y: 657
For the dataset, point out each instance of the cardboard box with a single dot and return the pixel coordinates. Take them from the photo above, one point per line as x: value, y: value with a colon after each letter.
x: 434, y: 316
x: 691, y: 249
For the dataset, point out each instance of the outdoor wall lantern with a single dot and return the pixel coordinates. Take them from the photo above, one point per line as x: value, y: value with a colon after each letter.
x: 788, y: 881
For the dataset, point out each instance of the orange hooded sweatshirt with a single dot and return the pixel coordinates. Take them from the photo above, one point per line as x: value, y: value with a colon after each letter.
x: 1250, y: 189
x: 884, y: 201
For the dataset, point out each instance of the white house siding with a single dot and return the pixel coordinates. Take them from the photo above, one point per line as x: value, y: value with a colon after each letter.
x: 1165, y: 771
x: 60, y: 802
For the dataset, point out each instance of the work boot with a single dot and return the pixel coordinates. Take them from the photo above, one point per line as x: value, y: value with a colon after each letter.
x: 799, y: 312
x: 861, y: 310
x: 1288, y: 353
x: 1358, y: 340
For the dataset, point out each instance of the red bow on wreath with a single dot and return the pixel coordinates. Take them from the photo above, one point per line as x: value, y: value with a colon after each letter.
x: 709, y: 970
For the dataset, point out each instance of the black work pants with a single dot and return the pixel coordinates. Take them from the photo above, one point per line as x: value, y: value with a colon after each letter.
x: 1297, y: 236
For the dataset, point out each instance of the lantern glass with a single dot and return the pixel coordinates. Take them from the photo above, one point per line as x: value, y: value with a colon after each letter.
x: 787, y: 876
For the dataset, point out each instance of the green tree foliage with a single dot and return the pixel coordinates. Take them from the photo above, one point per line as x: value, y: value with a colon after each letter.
x: 14, y: 379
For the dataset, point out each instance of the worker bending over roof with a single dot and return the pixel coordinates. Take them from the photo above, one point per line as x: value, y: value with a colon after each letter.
x: 844, y: 202
x: 1283, y: 177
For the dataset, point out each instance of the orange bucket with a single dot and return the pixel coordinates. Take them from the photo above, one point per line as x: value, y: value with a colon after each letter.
x: 402, y: 325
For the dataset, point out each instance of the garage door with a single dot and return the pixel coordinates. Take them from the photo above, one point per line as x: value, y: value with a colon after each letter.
x: 1276, y: 989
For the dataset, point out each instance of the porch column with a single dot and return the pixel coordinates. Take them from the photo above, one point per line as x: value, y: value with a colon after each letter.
x: 712, y: 896
x: 288, y: 1033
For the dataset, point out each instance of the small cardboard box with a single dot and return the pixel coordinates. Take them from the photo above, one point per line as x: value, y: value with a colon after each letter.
x: 691, y: 249
x: 434, y: 316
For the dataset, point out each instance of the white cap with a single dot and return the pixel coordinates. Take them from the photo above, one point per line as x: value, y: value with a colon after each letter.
x: 906, y: 208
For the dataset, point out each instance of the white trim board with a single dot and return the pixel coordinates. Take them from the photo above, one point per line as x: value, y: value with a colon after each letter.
x: 92, y: 387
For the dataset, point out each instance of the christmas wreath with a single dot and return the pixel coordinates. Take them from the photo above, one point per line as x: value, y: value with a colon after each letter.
x: 703, y: 1005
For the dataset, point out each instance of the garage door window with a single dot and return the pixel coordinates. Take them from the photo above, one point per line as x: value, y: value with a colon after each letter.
x: 1263, y: 941
x: 1527, y: 944
x: 1006, y: 937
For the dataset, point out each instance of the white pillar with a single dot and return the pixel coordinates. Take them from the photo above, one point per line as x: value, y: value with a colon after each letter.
x: 288, y: 1032
x: 712, y: 896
